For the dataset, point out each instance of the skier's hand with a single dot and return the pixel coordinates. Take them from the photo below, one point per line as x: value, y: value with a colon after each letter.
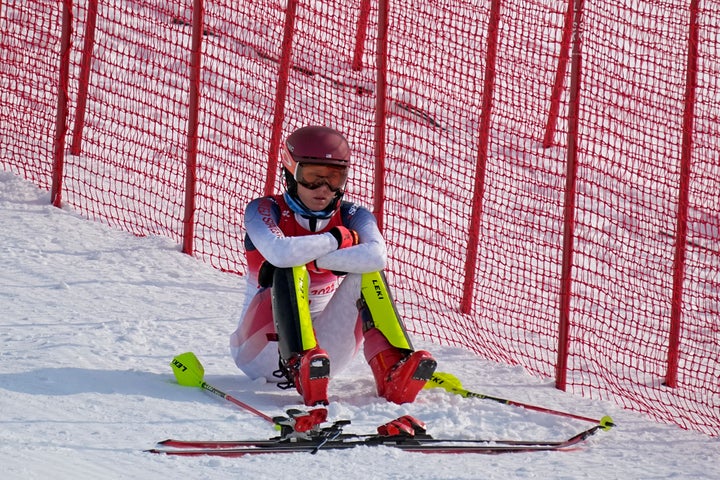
x: 313, y: 268
x: 345, y: 236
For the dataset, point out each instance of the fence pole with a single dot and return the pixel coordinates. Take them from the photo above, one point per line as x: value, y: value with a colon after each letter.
x: 481, y: 162
x: 557, y: 90
x: 192, y: 132
x: 280, y: 95
x: 683, y: 194
x: 569, y: 212
x: 361, y: 34
x: 380, y: 110
x: 84, y: 80
x: 62, y: 105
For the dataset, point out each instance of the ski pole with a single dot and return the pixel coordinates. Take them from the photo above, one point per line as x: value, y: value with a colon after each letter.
x: 189, y: 372
x: 451, y: 383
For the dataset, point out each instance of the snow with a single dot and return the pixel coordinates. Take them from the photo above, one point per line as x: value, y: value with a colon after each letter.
x: 93, y: 316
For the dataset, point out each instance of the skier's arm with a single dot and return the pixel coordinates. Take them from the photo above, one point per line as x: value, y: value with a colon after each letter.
x: 261, y: 224
x: 370, y: 255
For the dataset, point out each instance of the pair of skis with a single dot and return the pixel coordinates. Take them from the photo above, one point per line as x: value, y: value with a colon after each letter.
x: 302, y: 431
x: 333, y: 438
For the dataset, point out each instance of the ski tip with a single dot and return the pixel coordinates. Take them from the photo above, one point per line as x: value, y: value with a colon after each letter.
x: 606, y: 423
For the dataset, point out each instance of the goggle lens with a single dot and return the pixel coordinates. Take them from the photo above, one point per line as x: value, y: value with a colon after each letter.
x: 312, y: 176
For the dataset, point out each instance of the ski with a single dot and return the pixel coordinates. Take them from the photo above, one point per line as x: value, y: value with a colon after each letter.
x: 420, y: 443
x: 423, y: 439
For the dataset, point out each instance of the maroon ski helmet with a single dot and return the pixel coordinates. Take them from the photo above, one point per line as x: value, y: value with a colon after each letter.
x: 315, y: 144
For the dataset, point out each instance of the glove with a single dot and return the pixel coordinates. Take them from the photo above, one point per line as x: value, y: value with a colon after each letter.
x: 313, y: 268
x: 345, y: 237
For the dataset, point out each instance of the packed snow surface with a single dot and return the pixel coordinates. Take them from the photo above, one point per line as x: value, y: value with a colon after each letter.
x: 92, y: 317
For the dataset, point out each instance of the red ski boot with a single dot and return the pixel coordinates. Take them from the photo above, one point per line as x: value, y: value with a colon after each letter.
x: 400, y: 376
x: 311, y: 374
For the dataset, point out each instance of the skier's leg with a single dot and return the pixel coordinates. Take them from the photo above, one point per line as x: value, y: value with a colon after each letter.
x: 400, y: 371
x: 301, y: 359
x: 336, y: 324
x: 251, y: 343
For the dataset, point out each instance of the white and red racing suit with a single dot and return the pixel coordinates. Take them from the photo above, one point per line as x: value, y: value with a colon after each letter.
x: 276, y: 234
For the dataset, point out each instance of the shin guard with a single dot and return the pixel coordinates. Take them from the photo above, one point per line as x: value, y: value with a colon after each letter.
x: 303, y: 362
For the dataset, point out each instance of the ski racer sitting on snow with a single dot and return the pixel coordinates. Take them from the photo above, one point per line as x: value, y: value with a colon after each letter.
x: 315, y: 282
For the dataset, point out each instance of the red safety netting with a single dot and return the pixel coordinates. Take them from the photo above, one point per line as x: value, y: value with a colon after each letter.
x: 609, y: 282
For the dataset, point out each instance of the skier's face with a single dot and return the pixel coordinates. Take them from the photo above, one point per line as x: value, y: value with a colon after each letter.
x: 316, y: 199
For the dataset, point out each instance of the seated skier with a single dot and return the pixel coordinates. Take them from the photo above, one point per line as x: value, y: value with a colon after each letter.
x: 316, y: 290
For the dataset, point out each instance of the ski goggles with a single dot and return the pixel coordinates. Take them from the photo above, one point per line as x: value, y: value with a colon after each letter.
x: 313, y: 176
